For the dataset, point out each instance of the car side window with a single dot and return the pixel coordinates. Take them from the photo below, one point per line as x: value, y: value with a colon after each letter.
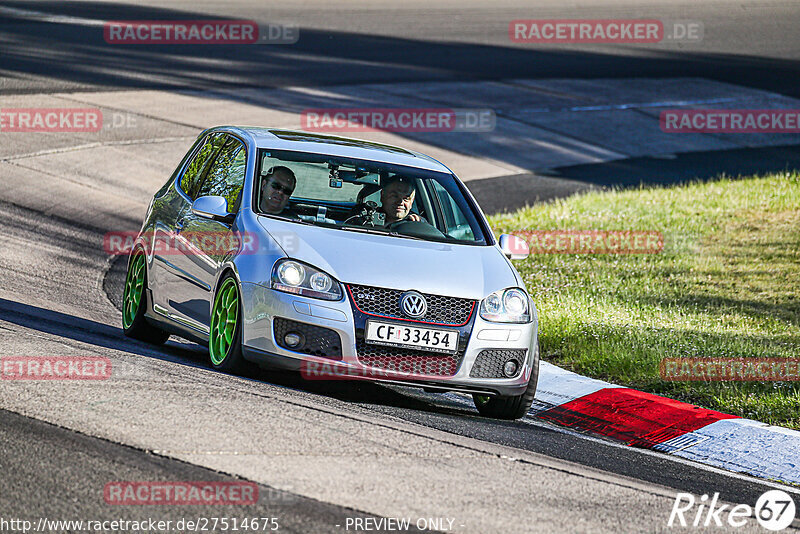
x: 457, y: 225
x: 198, y: 165
x: 225, y: 176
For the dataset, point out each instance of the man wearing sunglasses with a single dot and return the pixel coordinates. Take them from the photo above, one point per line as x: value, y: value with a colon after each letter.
x: 277, y: 185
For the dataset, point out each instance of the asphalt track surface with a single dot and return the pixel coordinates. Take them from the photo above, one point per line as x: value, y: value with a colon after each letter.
x: 50, y: 487
x: 60, y: 445
x: 750, y: 43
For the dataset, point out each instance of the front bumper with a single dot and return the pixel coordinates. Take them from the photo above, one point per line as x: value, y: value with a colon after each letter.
x: 262, y: 305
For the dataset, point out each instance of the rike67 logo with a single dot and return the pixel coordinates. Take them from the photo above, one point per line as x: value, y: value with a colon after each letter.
x: 774, y: 510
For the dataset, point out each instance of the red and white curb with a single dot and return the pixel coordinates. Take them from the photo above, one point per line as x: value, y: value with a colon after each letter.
x: 652, y: 422
x: 648, y: 421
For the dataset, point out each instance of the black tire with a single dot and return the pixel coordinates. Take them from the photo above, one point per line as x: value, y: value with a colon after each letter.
x: 233, y: 360
x: 513, y: 407
x: 139, y: 328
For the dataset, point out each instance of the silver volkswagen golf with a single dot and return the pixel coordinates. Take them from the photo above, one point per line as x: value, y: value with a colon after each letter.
x: 339, y: 258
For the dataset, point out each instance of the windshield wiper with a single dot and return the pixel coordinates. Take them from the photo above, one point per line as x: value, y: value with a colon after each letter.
x: 287, y: 219
x: 405, y: 236
x: 363, y: 230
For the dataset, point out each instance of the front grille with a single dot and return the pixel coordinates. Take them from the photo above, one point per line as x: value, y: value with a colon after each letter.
x: 451, y: 311
x: 408, y: 360
x: 319, y: 341
x: 489, y: 363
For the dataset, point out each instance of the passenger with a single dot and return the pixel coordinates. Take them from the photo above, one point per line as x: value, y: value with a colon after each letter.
x: 277, y: 185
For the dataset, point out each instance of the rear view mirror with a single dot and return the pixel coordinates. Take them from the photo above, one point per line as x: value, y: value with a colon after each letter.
x: 214, y: 208
x: 514, y: 248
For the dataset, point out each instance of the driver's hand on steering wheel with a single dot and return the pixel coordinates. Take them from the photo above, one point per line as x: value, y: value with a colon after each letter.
x: 413, y: 217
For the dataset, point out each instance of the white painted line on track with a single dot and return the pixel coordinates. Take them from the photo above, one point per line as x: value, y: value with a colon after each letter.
x: 40, y: 16
x: 89, y: 146
x: 634, y: 105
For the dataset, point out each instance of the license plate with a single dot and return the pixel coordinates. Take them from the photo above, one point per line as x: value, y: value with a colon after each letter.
x: 413, y: 337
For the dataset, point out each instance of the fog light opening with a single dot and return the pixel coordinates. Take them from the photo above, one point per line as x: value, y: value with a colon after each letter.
x: 293, y: 340
x: 510, y: 368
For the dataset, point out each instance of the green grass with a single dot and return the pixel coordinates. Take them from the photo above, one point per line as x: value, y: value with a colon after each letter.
x: 727, y: 284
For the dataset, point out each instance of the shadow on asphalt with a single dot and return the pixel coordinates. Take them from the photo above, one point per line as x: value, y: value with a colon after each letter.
x: 509, y: 193
x: 684, y: 167
x: 71, y: 469
x: 324, y: 58
x: 187, y: 353
x: 92, y: 332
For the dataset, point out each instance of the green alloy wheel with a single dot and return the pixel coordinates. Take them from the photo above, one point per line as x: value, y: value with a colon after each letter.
x: 225, y: 338
x: 133, y: 290
x: 134, y: 304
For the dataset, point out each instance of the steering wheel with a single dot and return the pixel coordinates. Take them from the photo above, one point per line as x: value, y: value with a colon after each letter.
x: 415, y: 229
x: 364, y: 211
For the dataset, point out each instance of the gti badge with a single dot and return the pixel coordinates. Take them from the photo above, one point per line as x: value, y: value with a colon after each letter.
x: 413, y: 304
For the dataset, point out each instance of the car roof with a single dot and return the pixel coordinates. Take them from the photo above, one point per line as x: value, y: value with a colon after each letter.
x: 319, y: 143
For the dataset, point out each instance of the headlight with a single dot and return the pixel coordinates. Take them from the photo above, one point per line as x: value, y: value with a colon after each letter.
x: 291, y: 276
x: 291, y: 273
x: 506, y: 306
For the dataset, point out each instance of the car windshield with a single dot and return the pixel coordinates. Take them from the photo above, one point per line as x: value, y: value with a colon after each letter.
x: 365, y: 196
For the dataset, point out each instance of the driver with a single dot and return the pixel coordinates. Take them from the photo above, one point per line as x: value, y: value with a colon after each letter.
x: 397, y: 197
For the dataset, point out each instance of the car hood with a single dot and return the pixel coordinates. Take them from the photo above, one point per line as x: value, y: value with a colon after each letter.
x: 466, y: 271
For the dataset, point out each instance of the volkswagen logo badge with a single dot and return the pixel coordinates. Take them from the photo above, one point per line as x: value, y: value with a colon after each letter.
x: 413, y: 304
